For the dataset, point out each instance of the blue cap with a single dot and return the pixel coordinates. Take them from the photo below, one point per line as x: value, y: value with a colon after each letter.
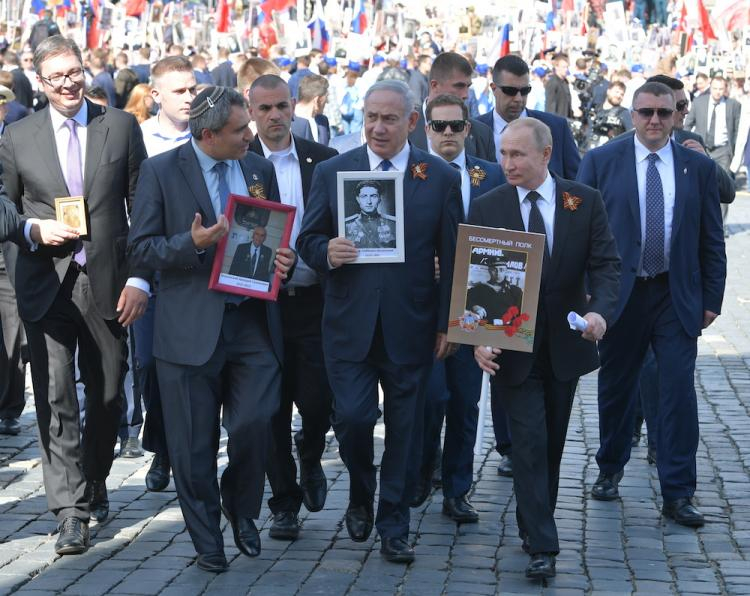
x: 330, y: 60
x: 355, y: 66
x: 540, y: 71
x: 636, y: 68
x: 283, y: 62
x: 377, y: 59
x: 404, y: 63
x: 482, y: 69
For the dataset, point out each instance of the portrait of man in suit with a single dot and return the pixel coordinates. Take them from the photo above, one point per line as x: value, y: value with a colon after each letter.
x: 580, y: 273
x: 253, y: 259
x: 82, y: 294
x: 370, y: 227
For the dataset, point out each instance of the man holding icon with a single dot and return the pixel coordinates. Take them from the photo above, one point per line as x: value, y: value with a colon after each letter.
x: 536, y: 389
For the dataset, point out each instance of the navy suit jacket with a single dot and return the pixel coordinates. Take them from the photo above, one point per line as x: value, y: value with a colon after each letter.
x: 171, y: 190
x: 401, y: 295
x: 697, y: 262
x: 495, y: 176
x: 565, y: 155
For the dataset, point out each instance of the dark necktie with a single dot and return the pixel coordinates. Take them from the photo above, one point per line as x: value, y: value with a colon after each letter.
x: 455, y: 165
x: 536, y: 221
x: 711, y: 134
x: 74, y: 179
x: 220, y: 167
x: 386, y: 165
x: 653, y: 247
x: 254, y: 262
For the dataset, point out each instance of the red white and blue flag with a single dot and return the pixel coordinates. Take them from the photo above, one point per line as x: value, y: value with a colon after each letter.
x: 318, y: 32
x: 359, y: 22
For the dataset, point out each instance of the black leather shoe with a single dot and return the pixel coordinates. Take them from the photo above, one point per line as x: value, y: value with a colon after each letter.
x: 683, y: 512
x: 505, y: 467
x: 285, y: 526
x: 359, y: 520
x: 651, y: 456
x: 213, y: 562
x: 246, y: 535
x: 605, y: 487
x: 10, y: 426
x: 96, y: 494
x: 396, y: 550
x: 423, y: 488
x: 131, y: 448
x: 460, y: 510
x: 157, y: 477
x: 541, y: 566
x: 312, y: 481
x: 73, y: 538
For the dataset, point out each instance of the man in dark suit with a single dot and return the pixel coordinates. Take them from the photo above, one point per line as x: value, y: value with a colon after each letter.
x: 212, y: 349
x: 304, y: 382
x: 253, y: 259
x: 537, y: 389
x: 454, y: 385
x: 223, y: 74
x: 451, y: 73
x: 557, y: 90
x: 398, y: 314
x: 75, y: 296
x: 510, y: 84
x: 663, y: 208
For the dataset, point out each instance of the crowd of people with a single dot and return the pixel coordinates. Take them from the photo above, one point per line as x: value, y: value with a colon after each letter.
x: 155, y: 142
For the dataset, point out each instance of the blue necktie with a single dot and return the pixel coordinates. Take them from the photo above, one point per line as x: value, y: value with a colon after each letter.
x: 220, y: 167
x: 386, y: 165
x: 653, y: 247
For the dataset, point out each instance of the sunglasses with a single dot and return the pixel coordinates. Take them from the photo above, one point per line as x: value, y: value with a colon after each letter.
x: 663, y: 113
x: 513, y: 91
x: 441, y: 125
x: 682, y: 105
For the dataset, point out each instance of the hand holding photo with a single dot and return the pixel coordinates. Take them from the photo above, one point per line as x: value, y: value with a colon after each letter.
x: 72, y: 211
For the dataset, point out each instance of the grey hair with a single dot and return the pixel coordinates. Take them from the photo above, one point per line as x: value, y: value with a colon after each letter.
x: 394, y: 86
x: 540, y: 132
x: 212, y: 108
x: 55, y: 45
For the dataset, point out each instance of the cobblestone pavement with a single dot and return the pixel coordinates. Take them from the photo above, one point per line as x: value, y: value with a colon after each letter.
x: 615, y: 547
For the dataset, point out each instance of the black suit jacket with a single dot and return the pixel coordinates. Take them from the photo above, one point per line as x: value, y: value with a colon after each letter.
x: 33, y: 178
x: 584, y: 260
x: 697, y: 119
x: 242, y: 262
x: 224, y: 76
x: 480, y: 142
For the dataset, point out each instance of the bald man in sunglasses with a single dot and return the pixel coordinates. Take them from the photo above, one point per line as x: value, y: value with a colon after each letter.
x: 663, y: 209
x: 511, y: 86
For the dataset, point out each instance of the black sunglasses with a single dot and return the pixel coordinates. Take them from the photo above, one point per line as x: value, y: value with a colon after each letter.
x: 513, y: 91
x: 682, y: 105
x: 663, y: 113
x: 441, y: 125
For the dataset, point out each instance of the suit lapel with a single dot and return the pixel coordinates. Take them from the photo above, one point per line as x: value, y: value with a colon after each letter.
x: 681, y: 183
x: 630, y: 182
x: 561, y: 225
x: 47, y: 149
x: 96, y: 136
x: 306, y: 167
x: 193, y: 174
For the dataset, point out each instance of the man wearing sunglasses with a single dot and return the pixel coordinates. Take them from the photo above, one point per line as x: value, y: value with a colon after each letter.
x: 663, y: 209
x: 454, y: 385
x: 510, y: 84
x: 451, y: 74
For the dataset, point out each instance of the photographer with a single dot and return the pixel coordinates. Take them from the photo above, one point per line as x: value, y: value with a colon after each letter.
x: 612, y: 118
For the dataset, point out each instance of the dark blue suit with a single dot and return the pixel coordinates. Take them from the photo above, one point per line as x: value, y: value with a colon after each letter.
x: 379, y: 325
x: 565, y: 156
x: 665, y: 312
x: 454, y: 387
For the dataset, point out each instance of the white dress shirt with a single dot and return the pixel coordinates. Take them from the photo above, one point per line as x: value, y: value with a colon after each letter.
x: 399, y: 161
x: 289, y: 177
x: 235, y: 177
x: 547, y: 197
x: 157, y: 140
x: 498, y: 128
x: 720, y: 131
x: 665, y: 167
x: 460, y: 161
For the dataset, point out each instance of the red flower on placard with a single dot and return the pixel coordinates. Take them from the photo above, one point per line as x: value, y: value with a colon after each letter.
x: 512, y: 320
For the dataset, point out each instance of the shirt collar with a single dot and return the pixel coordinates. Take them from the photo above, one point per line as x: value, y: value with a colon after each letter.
x: 500, y: 122
x: 291, y: 150
x: 399, y: 161
x: 546, y: 190
x: 460, y: 160
x: 205, y: 161
x: 152, y: 127
x: 58, y: 120
x: 642, y: 152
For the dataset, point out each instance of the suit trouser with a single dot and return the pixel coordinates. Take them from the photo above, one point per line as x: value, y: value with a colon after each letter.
x: 12, y: 348
x: 500, y: 423
x: 242, y: 376
x: 67, y: 460
x: 649, y: 395
x: 305, y: 383
x: 453, y: 392
x: 355, y: 412
x: 132, y: 413
x: 154, y: 436
x: 538, y: 413
x: 649, y: 317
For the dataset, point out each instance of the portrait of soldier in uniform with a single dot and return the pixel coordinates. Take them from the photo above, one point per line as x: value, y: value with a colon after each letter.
x: 370, y: 228
x: 490, y: 299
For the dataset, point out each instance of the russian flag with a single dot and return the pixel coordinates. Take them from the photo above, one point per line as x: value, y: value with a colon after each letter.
x: 38, y: 6
x: 359, y: 22
x: 505, y: 40
x: 318, y: 31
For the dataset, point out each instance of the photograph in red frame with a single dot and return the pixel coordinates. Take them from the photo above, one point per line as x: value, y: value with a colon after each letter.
x: 243, y: 263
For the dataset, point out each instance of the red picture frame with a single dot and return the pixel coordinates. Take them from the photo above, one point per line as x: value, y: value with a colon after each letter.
x: 243, y: 263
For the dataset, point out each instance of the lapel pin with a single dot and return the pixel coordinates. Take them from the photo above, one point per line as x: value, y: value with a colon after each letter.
x: 308, y: 159
x: 684, y: 171
x: 255, y: 176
